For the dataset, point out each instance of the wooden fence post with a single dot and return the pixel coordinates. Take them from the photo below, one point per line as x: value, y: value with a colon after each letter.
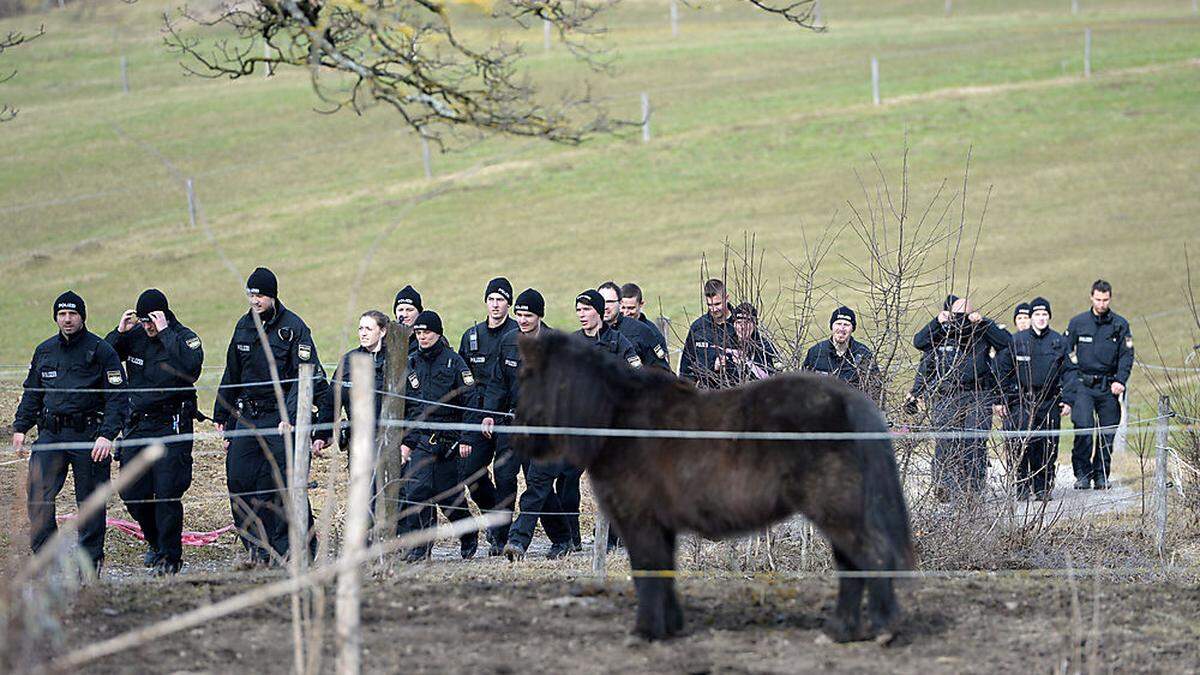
x: 297, y: 505
x: 388, y: 506
x: 875, y: 79
x: 600, y: 547
x: 362, y: 464
x: 1160, y: 473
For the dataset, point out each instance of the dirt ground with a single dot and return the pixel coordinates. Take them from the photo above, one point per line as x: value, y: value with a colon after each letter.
x: 492, y: 617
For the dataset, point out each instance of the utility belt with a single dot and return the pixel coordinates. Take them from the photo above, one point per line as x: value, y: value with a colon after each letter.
x: 58, y: 422
x: 1095, y: 380
x: 443, y: 443
x: 186, y: 409
x: 252, y: 408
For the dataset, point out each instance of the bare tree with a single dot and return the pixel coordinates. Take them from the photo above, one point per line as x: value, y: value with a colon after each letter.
x: 14, y: 39
x: 411, y: 55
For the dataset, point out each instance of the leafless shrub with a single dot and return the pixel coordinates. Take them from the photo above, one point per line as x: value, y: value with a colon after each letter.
x: 8, y: 41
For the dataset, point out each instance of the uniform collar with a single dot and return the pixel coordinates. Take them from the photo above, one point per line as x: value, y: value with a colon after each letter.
x: 1102, y: 318
x: 433, y: 352
x: 68, y: 343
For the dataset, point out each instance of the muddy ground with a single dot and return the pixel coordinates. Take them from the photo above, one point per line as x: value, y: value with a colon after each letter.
x: 492, y: 617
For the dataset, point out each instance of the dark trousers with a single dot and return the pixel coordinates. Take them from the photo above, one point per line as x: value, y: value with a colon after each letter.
x: 256, y: 475
x: 541, y: 499
x: 567, y: 487
x: 1036, y: 457
x: 154, y: 499
x: 1091, y: 456
x: 488, y: 496
x: 961, y: 463
x: 48, y: 473
x: 431, y: 478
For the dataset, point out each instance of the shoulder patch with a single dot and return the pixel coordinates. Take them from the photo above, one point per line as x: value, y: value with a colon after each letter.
x: 304, y: 352
x: 660, y: 352
x: 1129, y: 342
x: 635, y: 361
x: 115, y: 377
x: 193, y: 342
x: 414, y: 381
x: 468, y: 378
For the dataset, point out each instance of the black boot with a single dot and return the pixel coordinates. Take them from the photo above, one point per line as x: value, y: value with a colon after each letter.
x: 514, y: 551
x: 557, y: 551
x: 468, y: 546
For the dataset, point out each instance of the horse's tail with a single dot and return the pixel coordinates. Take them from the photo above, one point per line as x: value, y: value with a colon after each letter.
x: 888, y: 536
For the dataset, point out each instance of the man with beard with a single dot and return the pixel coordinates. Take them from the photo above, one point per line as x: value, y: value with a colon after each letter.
x: 844, y: 357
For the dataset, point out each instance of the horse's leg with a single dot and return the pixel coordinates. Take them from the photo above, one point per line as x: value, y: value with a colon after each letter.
x: 882, y: 608
x: 652, y: 560
x: 846, y: 625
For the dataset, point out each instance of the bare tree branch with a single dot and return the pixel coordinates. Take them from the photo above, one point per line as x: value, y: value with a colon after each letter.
x: 8, y: 41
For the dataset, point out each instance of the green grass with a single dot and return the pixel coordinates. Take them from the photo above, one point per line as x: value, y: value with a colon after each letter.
x: 758, y: 127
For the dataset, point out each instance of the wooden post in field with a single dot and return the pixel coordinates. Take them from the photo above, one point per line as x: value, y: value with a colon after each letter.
x: 875, y: 79
x: 600, y: 546
x: 266, y: 55
x: 1074, y: 6
x: 674, y: 13
x: 1087, y: 52
x: 1121, y: 438
x: 645, y: 117
x: 296, y: 504
x: 388, y: 478
x: 191, y: 195
x: 362, y: 463
x: 1160, y: 474
x: 425, y: 156
x: 124, y: 74
x: 949, y: 7
x: 545, y: 35
x: 818, y: 16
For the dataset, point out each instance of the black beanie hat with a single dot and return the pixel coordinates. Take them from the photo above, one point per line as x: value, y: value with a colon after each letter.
x: 950, y: 300
x: 1040, y: 303
x: 262, y: 281
x: 745, y: 311
x: 1022, y: 308
x: 592, y: 298
x: 428, y: 320
x: 499, y: 285
x: 845, y: 313
x: 70, y: 300
x: 408, y: 296
x: 530, y: 301
x: 151, y: 300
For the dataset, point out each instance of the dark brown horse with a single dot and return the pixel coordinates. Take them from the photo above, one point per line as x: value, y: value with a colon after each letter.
x: 655, y: 488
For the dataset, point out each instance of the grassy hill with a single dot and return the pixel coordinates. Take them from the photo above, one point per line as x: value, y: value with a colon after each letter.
x: 757, y: 127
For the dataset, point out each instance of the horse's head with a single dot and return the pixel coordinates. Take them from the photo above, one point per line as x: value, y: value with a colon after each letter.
x: 566, y: 382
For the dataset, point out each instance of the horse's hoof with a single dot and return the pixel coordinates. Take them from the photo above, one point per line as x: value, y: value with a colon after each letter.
x: 840, y: 633
x: 650, y: 635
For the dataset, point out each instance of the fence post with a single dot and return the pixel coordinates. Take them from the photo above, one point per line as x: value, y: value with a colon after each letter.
x: 1074, y: 6
x: 124, y: 74
x: 875, y: 79
x: 296, y: 503
x: 392, y: 410
x: 1160, y: 473
x: 818, y: 16
x: 1121, y: 440
x: 545, y: 35
x: 1087, y: 52
x: 191, y: 195
x: 362, y: 460
x: 675, y: 18
x: 949, y: 7
x: 645, y: 117
x: 266, y: 55
x: 425, y: 155
x: 600, y: 546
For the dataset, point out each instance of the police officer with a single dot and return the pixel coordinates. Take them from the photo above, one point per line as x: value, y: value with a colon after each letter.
x: 407, y: 305
x: 962, y: 389
x: 1021, y: 317
x: 589, y: 308
x: 755, y: 357
x: 844, y: 357
x: 540, y: 497
x: 708, y: 338
x: 633, y: 306
x: 74, y: 393
x: 1037, y: 378
x: 372, y: 329
x: 436, y: 376
x: 246, y: 403
x: 480, y: 347
x: 1102, y: 346
x: 162, y: 354
x: 645, y: 341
